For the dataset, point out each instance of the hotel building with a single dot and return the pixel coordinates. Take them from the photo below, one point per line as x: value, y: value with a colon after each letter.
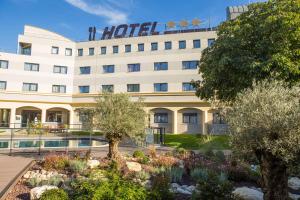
x: 51, y: 76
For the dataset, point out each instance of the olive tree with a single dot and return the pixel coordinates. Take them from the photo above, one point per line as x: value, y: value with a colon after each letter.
x: 265, y: 121
x: 118, y: 117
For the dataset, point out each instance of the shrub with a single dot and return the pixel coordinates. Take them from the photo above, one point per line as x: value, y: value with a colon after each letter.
x: 142, y: 175
x: 180, y: 152
x: 209, y: 153
x: 160, y: 187
x: 54, y: 194
x: 77, y: 166
x: 165, y: 161
x: 55, y: 180
x: 220, y: 157
x: 215, y: 187
x: 144, y: 160
x: 138, y: 154
x: 34, y: 182
x: 56, y: 162
x: 152, y: 151
x: 175, y: 174
x: 199, y: 173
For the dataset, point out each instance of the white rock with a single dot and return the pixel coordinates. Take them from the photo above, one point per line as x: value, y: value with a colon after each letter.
x: 191, y: 188
x: 134, y: 166
x: 294, y: 183
x: 183, y: 191
x: 27, y: 175
x: 175, y: 185
x: 181, y: 164
x: 93, y: 163
x: 248, y: 193
x: 294, y: 196
x: 36, y: 193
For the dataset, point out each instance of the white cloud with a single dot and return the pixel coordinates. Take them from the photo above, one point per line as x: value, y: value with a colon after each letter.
x: 113, y: 16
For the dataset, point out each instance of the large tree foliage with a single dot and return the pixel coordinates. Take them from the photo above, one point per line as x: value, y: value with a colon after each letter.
x: 261, y: 43
x: 118, y: 117
x: 265, y: 121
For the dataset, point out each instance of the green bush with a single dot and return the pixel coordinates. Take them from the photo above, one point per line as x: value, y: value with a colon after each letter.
x: 55, y: 180
x: 138, y: 154
x: 144, y: 160
x: 199, y: 173
x: 220, y: 157
x: 57, y: 162
x: 210, y: 153
x: 77, y: 166
x: 34, y: 182
x: 160, y: 187
x: 175, y: 174
x: 215, y: 187
x: 142, y: 175
x: 54, y: 194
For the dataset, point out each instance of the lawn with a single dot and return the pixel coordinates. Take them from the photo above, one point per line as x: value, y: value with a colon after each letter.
x: 197, y: 142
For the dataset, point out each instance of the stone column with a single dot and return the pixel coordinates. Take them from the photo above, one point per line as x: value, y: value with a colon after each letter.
x: 12, y: 117
x: 204, y: 121
x: 71, y: 118
x: 44, y: 112
x: 175, y: 122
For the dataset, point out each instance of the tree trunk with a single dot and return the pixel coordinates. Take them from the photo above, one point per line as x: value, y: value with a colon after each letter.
x: 274, y: 177
x: 113, y: 151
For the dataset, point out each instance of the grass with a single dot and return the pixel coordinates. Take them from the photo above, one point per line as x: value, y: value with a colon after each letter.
x: 197, y: 142
x: 86, y: 133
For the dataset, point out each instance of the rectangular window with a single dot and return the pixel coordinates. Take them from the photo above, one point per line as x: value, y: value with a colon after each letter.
x: 189, y: 118
x: 25, y: 48
x: 31, y: 67
x: 187, y: 87
x: 54, y: 50
x: 85, y: 70
x: 154, y: 46
x: 115, y: 49
x: 193, y: 64
x: 84, y: 89
x: 108, y: 68
x: 141, y: 47
x: 218, y: 118
x: 210, y: 42
x: 60, y: 69
x: 103, y: 50
x: 91, y: 51
x: 58, y: 88
x: 134, y: 67
x: 80, y: 52
x: 182, y: 44
x: 32, y: 87
x: 160, y: 66
x: 3, y: 64
x: 161, y: 118
x: 196, y: 44
x: 107, y: 88
x: 2, y: 85
x: 133, y: 87
x: 127, y: 48
x: 168, y: 45
x: 68, y: 52
x: 160, y: 87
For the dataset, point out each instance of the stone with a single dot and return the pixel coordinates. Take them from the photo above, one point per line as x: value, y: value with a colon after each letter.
x: 181, y: 164
x: 36, y: 193
x: 93, y: 163
x: 191, y: 188
x: 248, y: 193
x: 294, y: 196
x: 183, y: 191
x: 294, y: 183
x: 134, y: 166
x: 27, y: 175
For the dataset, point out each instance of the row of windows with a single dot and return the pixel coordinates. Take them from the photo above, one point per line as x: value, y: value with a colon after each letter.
x: 158, y: 87
x: 141, y: 47
x: 55, y: 50
x: 187, y: 118
x: 136, y: 67
x: 33, y: 87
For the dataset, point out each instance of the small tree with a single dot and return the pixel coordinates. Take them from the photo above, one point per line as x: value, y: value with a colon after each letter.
x: 265, y: 121
x: 118, y: 117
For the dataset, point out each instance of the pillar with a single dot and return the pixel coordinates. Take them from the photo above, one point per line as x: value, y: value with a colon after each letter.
x: 204, y: 121
x: 12, y: 117
x: 71, y: 118
x: 174, y: 122
x: 44, y: 113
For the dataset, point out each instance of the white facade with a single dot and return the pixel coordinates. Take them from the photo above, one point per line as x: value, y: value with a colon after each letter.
x: 177, y: 110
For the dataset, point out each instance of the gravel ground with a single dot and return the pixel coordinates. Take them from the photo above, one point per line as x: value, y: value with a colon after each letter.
x: 19, y: 192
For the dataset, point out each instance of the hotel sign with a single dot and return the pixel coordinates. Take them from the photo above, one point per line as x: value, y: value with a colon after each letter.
x: 144, y: 29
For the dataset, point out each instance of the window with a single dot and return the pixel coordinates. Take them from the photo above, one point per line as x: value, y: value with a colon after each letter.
x: 141, y: 47
x: 182, y: 44
x: 210, y: 42
x: 134, y: 67
x: 107, y: 88
x: 84, y: 89
x: 196, y: 44
x: 133, y: 87
x: 193, y: 64
x: 91, y: 51
x: 189, y: 118
x: 25, y: 48
x: 31, y: 67
x: 161, y: 118
x: 127, y: 48
x: 68, y: 52
x: 168, y: 45
x: 187, y: 87
x: 54, y: 50
x: 154, y: 46
x: 115, y: 49
x: 108, y: 68
x: 218, y: 118
x: 32, y: 87
x: 160, y: 66
x: 58, y: 88
x: 60, y: 69
x: 2, y: 85
x: 160, y: 87
x: 3, y: 64
x: 103, y: 50
x: 85, y: 70
x: 80, y: 52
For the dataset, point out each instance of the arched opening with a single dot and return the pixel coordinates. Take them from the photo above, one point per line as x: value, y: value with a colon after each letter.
x: 26, y: 115
x: 161, y: 117
x: 189, y: 120
x: 57, y: 115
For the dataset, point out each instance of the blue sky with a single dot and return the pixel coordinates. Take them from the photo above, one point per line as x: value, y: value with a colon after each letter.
x: 72, y: 18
